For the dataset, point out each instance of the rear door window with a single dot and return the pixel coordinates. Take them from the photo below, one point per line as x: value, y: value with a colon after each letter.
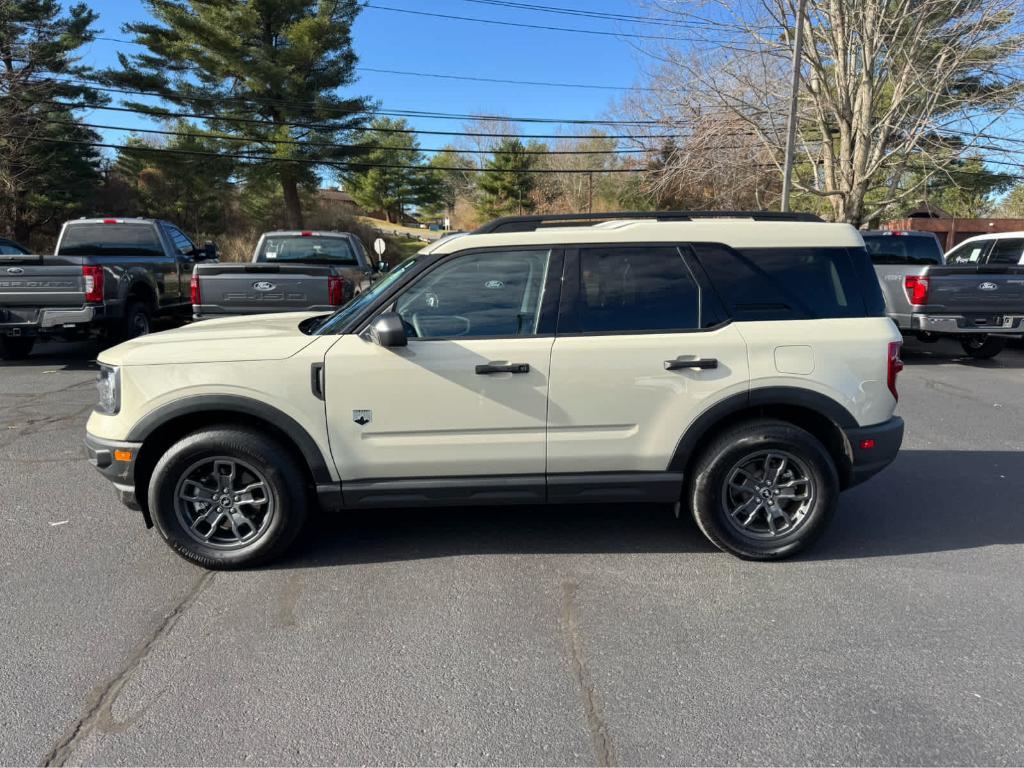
x: 636, y: 290
x: 1006, y: 250
x: 786, y: 283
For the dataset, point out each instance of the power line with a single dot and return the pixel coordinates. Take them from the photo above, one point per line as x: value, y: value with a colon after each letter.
x: 543, y: 27
x: 510, y: 82
x: 162, y: 114
x: 344, y: 165
x: 355, y: 147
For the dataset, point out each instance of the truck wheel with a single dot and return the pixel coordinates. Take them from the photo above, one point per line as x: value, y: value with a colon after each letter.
x: 136, y: 321
x: 764, y: 490
x: 228, y: 497
x: 16, y: 347
x: 982, y: 346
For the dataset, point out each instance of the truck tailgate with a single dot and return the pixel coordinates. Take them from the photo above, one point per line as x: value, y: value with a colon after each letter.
x: 33, y: 281
x: 985, y: 289
x: 242, y: 289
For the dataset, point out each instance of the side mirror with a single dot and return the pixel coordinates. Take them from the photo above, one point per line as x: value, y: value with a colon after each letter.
x: 208, y: 252
x: 382, y: 266
x: 388, y: 331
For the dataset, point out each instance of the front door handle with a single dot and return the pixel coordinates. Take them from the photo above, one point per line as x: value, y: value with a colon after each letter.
x: 487, y: 368
x: 679, y: 363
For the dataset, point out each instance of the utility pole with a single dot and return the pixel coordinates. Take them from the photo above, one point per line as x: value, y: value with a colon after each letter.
x: 794, y: 90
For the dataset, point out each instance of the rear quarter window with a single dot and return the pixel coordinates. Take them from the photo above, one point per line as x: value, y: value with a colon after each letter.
x: 792, y: 283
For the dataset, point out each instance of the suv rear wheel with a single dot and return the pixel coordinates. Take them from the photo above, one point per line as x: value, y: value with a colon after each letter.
x: 228, y: 498
x: 982, y: 346
x: 764, y: 490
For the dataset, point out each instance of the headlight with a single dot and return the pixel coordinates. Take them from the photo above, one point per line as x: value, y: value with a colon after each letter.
x: 109, y: 386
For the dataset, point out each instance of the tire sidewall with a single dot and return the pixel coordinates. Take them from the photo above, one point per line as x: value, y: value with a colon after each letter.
x: 284, y: 486
x: 135, y: 309
x: 724, y: 455
x: 989, y: 347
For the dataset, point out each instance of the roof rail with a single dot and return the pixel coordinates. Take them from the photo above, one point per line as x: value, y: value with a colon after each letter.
x: 532, y: 223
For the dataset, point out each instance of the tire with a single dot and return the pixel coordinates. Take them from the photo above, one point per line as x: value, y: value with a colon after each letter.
x: 16, y: 347
x: 737, y: 454
x: 137, y: 321
x: 237, y: 535
x: 982, y: 346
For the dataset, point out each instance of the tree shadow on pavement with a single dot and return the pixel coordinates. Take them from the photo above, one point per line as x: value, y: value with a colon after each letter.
x: 927, y: 501
x: 64, y: 356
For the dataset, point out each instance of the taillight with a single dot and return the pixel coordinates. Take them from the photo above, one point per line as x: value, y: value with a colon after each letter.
x: 93, y: 277
x: 916, y: 288
x: 895, y: 365
x: 335, y: 290
x: 197, y: 294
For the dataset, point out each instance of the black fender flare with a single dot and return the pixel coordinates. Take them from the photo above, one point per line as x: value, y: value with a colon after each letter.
x: 236, y: 404
x: 762, y: 396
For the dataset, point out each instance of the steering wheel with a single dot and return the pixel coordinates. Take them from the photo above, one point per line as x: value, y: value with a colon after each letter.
x: 419, y: 319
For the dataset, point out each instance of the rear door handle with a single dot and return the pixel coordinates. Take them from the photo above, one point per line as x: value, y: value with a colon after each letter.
x: 487, y: 368
x: 679, y: 363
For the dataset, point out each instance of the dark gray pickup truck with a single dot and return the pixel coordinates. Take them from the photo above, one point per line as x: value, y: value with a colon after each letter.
x: 289, y: 272
x: 979, y: 301
x: 107, y: 276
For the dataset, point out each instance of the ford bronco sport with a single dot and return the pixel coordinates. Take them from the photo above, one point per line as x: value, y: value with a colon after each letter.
x: 739, y: 366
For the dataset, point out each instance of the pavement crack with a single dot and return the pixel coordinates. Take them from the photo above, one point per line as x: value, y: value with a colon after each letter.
x: 599, y: 735
x: 103, y: 698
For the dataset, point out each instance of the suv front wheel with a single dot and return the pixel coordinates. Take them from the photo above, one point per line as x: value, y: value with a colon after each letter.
x: 764, y: 490
x: 228, y: 497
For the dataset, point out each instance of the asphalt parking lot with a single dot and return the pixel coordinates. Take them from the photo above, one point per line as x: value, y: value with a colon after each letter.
x: 587, y: 635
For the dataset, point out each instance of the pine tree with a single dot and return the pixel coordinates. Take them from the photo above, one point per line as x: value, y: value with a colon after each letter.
x: 403, y: 183
x: 49, y: 169
x: 267, y: 72
x: 506, y: 184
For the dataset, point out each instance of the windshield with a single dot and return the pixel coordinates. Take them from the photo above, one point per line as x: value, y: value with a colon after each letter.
x: 110, y: 240
x: 310, y: 249
x: 333, y: 323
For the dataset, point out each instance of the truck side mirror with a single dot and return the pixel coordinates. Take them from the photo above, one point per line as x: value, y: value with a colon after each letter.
x: 209, y: 251
x: 388, y: 331
x: 382, y: 266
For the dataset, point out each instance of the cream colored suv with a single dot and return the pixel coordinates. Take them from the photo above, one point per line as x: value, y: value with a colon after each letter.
x: 738, y: 365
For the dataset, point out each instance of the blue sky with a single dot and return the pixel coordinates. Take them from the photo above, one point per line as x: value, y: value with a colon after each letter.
x: 398, y: 41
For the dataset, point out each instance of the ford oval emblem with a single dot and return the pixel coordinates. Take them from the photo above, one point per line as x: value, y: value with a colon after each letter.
x: 988, y: 287
x: 263, y: 285
x: 15, y: 271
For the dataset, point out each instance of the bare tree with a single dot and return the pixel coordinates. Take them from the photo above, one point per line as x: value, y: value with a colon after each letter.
x: 887, y: 87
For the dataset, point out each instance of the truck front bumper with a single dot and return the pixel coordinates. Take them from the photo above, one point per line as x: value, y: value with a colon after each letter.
x: 968, y: 324
x: 872, y: 449
x: 115, y: 460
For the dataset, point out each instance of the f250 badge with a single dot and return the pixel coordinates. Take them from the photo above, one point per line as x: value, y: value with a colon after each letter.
x: 988, y: 287
x: 362, y: 418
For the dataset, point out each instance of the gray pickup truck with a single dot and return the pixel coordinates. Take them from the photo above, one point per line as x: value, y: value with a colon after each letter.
x: 978, y: 302
x: 108, y: 277
x: 289, y: 272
